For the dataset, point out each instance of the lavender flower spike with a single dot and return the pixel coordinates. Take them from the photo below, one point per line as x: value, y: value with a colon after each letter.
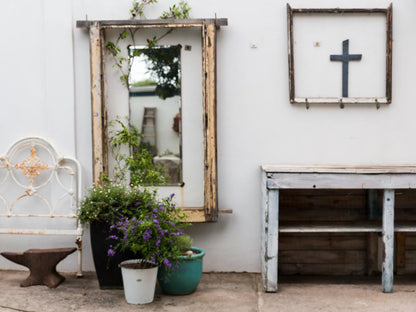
x: 167, y: 263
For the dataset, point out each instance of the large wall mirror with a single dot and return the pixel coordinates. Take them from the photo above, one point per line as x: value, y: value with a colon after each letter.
x: 155, y: 107
x: 164, y: 105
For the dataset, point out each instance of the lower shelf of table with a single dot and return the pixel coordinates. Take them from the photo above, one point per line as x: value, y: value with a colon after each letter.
x: 342, y: 228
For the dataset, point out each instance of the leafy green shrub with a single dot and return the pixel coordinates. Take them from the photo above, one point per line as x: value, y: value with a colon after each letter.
x: 111, y: 202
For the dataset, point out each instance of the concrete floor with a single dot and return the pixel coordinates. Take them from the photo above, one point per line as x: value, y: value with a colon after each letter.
x: 217, y: 292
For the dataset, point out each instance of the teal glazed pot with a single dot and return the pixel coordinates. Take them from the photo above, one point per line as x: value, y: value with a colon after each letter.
x: 185, y: 279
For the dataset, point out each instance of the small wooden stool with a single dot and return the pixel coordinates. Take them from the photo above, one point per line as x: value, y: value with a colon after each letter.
x: 42, y: 265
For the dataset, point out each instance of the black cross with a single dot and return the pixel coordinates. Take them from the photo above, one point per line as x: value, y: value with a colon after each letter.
x: 345, y: 58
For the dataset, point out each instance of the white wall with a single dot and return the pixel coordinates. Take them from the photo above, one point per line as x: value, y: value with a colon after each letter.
x: 45, y: 91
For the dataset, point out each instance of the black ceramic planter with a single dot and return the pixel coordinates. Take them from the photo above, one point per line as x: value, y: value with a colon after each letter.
x: 106, y: 267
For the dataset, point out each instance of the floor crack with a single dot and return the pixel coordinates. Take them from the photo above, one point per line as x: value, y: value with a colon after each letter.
x: 15, y: 309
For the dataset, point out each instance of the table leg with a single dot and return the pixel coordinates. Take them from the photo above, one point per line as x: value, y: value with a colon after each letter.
x: 270, y: 236
x: 388, y: 240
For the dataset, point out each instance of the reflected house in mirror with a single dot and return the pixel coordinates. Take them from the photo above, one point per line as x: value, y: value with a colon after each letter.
x: 155, y: 105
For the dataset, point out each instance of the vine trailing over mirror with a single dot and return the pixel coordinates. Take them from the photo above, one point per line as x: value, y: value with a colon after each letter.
x: 138, y: 161
x: 177, y: 11
x: 139, y: 6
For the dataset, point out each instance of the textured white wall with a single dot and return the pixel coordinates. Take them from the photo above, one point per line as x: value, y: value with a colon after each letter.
x: 45, y: 91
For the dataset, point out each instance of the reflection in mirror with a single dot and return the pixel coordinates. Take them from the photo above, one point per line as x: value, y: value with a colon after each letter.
x: 155, y: 108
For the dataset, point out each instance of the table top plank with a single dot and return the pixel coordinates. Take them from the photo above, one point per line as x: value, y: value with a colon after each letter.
x: 363, y: 169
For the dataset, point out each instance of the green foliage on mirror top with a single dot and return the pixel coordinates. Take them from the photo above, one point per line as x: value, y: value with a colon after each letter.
x: 177, y: 11
x: 138, y: 8
x: 138, y: 161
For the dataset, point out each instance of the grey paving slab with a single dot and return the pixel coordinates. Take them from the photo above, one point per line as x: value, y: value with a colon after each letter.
x: 336, y: 294
x: 217, y: 292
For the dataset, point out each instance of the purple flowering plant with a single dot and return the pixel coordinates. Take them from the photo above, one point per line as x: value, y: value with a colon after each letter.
x: 152, y: 233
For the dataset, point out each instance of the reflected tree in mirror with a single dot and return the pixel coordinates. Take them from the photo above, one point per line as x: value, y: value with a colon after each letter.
x: 155, y: 108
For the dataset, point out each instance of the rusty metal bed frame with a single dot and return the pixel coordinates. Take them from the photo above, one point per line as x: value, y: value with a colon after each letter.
x: 36, y: 183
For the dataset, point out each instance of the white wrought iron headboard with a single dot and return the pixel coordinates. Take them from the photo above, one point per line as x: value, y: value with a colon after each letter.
x: 36, y: 183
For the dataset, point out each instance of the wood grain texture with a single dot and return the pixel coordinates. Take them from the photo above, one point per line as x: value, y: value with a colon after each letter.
x: 271, y: 240
x: 210, y: 121
x: 338, y: 10
x: 97, y: 103
x: 154, y: 23
x: 264, y: 228
x: 327, y: 180
x: 271, y: 169
x: 322, y: 205
x: 194, y: 215
x: 300, y: 228
x: 323, y: 256
x: 323, y: 242
x: 372, y: 253
x: 388, y: 240
x: 290, y: 53
x: 411, y: 241
x: 322, y: 268
x: 389, y: 52
x: 400, y: 250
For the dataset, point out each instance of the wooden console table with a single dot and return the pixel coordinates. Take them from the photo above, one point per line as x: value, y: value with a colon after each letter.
x: 386, y: 178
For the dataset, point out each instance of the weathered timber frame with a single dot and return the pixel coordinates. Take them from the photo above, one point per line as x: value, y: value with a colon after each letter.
x: 209, y: 29
x: 341, y: 100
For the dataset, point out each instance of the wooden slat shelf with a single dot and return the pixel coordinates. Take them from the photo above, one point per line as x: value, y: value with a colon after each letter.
x: 342, y: 228
x: 329, y: 229
x: 405, y: 228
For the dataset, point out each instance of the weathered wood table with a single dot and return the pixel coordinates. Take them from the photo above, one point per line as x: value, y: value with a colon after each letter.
x: 386, y: 178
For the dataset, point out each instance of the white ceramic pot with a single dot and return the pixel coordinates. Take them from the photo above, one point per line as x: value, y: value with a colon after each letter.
x: 139, y: 284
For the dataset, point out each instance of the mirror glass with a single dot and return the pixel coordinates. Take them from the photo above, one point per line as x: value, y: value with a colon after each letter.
x: 155, y: 109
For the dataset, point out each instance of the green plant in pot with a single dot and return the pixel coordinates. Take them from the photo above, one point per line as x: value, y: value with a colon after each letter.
x: 152, y: 233
x: 103, y: 206
x: 112, y: 201
x: 184, y: 277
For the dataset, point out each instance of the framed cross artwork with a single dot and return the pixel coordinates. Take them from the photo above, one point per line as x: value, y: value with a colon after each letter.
x: 341, y: 56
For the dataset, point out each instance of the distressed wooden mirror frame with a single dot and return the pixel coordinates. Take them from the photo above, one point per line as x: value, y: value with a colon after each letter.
x: 388, y: 12
x: 209, y: 97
